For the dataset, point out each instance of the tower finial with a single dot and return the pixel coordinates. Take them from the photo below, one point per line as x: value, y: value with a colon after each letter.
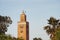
x: 23, y: 11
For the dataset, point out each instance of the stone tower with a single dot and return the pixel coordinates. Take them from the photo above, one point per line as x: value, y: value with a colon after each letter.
x: 23, y: 27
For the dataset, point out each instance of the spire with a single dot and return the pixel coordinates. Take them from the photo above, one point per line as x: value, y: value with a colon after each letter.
x: 23, y: 16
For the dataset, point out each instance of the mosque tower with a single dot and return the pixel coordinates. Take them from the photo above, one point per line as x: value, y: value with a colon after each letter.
x: 23, y: 27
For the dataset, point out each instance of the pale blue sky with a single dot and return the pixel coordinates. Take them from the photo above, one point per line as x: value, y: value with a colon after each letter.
x: 37, y: 11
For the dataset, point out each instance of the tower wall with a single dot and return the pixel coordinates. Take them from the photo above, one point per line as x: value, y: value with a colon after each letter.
x: 23, y: 28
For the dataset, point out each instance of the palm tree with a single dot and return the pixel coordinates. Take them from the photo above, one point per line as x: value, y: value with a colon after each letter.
x: 51, y: 28
x: 58, y: 32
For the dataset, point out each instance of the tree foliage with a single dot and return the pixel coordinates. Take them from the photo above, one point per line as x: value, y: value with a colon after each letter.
x: 37, y: 39
x: 7, y: 37
x: 52, y: 28
x: 5, y: 21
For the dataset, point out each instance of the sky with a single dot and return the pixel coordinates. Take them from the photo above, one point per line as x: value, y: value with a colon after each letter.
x: 37, y: 11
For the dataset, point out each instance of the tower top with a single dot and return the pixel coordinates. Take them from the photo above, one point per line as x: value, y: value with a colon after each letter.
x: 23, y: 16
x: 23, y: 13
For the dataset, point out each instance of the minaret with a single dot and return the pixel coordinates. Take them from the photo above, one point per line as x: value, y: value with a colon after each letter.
x: 23, y: 27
